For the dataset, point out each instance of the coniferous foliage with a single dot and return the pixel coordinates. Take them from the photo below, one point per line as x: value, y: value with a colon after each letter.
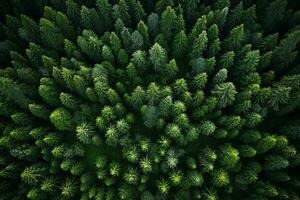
x: 166, y: 99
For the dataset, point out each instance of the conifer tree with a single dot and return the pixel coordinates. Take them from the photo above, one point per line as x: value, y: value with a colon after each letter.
x: 225, y: 93
x: 61, y: 119
x: 153, y: 24
x: 168, y: 23
x: 105, y: 10
x: 33, y: 174
x: 158, y: 57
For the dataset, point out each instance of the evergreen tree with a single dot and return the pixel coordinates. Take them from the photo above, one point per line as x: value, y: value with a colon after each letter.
x: 40, y: 111
x: 180, y: 45
x: 158, y: 57
x: 229, y: 156
x: 143, y: 30
x: 105, y: 10
x: 138, y: 97
x: 225, y: 93
x: 274, y: 13
x: 153, y: 24
x: 33, y: 174
x: 29, y: 30
x: 90, y: 19
x: 61, y: 119
x: 220, y: 178
x: 69, y: 188
x: 120, y: 10
x: 235, y: 38
x: 85, y: 133
x: 199, y: 46
x: 168, y: 23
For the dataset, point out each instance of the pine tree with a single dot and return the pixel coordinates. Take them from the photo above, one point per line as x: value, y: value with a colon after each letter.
x: 139, y: 60
x: 85, y: 133
x: 120, y: 10
x: 33, y: 174
x: 229, y: 156
x: 158, y: 57
x: 137, y: 41
x: 180, y: 45
x: 247, y: 151
x: 199, y: 46
x: 39, y: 110
x: 90, y: 19
x: 150, y: 115
x: 220, y: 77
x: 131, y: 176
x: 225, y: 93
x: 168, y: 23
x: 275, y: 162
x: 143, y: 30
x: 235, y: 38
x: 153, y: 24
x: 207, y: 128
x: 105, y: 10
x: 220, y: 178
x: 146, y: 165
x: 279, y: 96
x: 49, y: 184
x: 249, y: 174
x: 274, y: 12
x: 138, y: 97
x: 284, y: 54
x: 69, y: 188
x: 200, y: 80
x: 163, y: 186
x: 198, y: 28
x: 29, y: 30
x: 266, y: 143
x: 173, y: 131
x: 115, y: 42
x: 61, y: 119
x: 90, y: 45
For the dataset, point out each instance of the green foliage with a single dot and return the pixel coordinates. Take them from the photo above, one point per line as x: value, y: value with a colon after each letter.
x: 69, y: 188
x: 40, y: 111
x: 220, y: 178
x: 225, y: 93
x: 235, y: 39
x: 200, y: 45
x: 266, y: 143
x: 61, y: 119
x: 158, y: 57
x: 168, y: 23
x: 207, y: 128
x: 33, y: 174
x: 85, y: 133
x: 229, y: 156
x: 134, y: 99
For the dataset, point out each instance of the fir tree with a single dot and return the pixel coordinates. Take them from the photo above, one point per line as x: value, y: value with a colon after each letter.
x: 225, y: 93
x: 158, y: 57
x: 33, y: 174
x: 61, y: 119
x: 168, y: 23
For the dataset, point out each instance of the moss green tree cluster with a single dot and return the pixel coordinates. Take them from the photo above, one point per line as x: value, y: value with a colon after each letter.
x: 140, y: 99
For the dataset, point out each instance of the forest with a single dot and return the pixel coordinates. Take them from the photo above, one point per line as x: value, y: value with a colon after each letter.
x: 149, y: 99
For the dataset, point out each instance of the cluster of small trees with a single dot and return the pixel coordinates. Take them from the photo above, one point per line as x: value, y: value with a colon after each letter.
x: 167, y: 99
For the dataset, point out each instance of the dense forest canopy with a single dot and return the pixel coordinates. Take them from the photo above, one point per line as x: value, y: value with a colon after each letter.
x: 150, y: 100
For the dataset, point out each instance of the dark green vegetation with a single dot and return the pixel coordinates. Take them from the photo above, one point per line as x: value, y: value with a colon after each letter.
x: 169, y: 99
